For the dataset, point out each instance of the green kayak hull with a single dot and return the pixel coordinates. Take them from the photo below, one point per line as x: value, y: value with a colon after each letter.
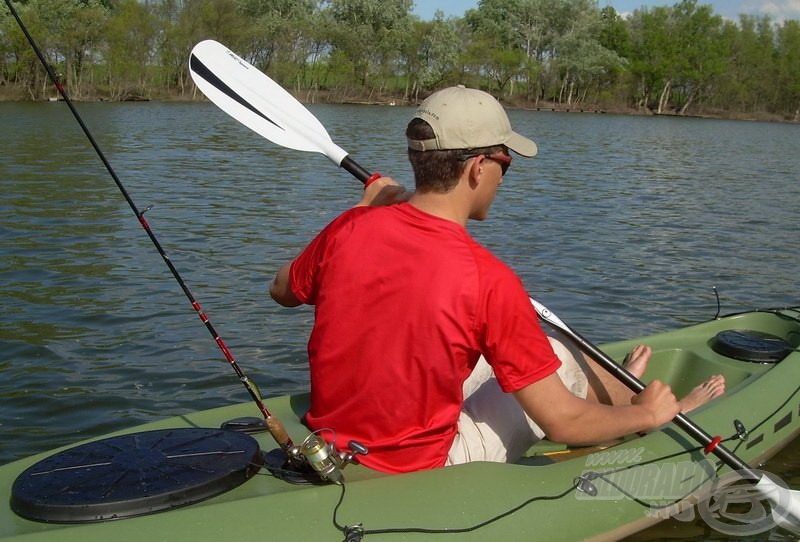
x: 630, y: 483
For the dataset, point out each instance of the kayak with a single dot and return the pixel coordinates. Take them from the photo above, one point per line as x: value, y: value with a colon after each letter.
x: 208, y: 476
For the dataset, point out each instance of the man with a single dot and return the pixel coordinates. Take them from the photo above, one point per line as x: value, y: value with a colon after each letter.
x: 425, y: 345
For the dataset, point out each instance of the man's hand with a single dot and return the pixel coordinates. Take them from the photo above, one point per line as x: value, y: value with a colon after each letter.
x: 383, y: 191
x: 657, y: 398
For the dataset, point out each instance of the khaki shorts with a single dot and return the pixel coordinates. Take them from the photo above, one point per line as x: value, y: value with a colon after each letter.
x: 492, y: 425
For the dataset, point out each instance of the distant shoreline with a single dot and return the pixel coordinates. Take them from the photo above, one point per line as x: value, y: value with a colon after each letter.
x: 524, y: 105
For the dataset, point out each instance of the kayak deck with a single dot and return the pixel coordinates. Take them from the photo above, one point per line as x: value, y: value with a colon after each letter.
x: 762, y: 397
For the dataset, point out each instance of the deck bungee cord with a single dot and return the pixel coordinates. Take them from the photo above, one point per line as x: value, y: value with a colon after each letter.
x: 356, y: 532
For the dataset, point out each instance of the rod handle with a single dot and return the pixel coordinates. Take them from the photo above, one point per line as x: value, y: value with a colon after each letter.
x: 278, y: 432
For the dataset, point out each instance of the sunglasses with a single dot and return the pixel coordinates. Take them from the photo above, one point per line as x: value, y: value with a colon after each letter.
x: 503, y: 159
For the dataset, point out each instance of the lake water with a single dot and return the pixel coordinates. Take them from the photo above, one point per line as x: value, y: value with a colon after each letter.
x: 622, y: 225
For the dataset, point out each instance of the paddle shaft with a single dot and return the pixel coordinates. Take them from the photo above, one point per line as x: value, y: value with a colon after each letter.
x: 274, y: 425
x: 355, y: 170
x: 637, y: 386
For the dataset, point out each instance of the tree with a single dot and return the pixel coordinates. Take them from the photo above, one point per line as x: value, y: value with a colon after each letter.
x: 503, y: 40
x: 583, y: 62
x: 130, y: 42
x: 750, y: 72
x: 615, y: 36
x: 665, y: 58
x: 700, y: 57
x: 275, y: 28
x: 788, y: 53
x: 68, y: 32
x: 431, y: 54
x: 370, y: 33
x: 652, y: 55
x: 547, y: 43
x: 184, y: 23
x: 18, y: 62
x: 613, y: 33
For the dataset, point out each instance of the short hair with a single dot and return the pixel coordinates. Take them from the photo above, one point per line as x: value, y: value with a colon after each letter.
x: 435, y: 170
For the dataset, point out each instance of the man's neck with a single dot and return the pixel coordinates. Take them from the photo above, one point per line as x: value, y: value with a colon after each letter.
x: 449, y: 206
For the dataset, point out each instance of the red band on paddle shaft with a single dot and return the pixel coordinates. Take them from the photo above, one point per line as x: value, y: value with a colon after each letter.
x: 711, y: 446
x: 374, y: 177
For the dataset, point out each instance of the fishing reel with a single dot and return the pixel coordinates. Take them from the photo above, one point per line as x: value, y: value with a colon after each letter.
x: 313, y: 461
x: 323, y: 457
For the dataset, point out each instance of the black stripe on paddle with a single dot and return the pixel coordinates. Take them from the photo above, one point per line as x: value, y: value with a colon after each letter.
x: 200, y: 69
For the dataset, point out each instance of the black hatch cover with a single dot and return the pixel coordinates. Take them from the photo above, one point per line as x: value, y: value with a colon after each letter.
x: 135, y: 474
x: 753, y: 346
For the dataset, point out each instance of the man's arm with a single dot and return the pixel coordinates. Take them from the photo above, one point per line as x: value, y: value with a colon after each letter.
x: 571, y: 420
x: 280, y: 290
x: 383, y: 191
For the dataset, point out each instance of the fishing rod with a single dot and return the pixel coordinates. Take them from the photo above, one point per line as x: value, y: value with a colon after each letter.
x: 273, y: 424
x: 258, y: 102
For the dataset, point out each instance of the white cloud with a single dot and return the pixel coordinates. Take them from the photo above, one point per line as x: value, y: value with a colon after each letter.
x: 777, y: 9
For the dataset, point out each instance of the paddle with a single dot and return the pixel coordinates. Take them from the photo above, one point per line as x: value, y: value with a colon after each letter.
x: 262, y: 105
x: 259, y: 103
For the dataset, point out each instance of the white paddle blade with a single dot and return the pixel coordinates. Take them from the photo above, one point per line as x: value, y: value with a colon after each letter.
x: 546, y: 315
x: 785, y: 503
x: 258, y: 102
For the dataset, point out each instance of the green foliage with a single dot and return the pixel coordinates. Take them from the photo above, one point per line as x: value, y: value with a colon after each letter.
x: 72, y: 30
x: 370, y: 32
x: 129, y: 49
x: 614, y: 34
x: 788, y: 65
x: 431, y: 54
x: 677, y: 58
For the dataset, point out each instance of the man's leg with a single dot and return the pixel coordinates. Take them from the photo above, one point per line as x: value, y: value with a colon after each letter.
x: 607, y: 389
x: 492, y: 425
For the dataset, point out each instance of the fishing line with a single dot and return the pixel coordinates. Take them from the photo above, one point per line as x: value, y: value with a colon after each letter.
x: 274, y: 426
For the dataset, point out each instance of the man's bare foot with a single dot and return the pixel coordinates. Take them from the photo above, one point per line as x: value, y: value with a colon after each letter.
x: 636, y: 361
x: 703, y: 393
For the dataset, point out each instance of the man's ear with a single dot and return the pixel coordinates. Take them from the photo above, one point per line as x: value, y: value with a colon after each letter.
x: 475, y: 171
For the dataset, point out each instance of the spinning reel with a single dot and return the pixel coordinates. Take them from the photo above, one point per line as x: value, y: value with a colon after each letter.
x: 315, y: 460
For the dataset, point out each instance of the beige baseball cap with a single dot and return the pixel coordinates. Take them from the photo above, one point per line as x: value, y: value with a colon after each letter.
x: 467, y: 118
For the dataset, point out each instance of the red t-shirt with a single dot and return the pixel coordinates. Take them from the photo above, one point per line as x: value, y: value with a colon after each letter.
x: 405, y: 304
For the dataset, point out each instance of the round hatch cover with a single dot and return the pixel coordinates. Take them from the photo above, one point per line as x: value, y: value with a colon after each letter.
x: 754, y: 346
x: 135, y: 474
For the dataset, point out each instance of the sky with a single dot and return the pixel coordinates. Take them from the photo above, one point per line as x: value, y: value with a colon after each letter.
x: 777, y: 9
